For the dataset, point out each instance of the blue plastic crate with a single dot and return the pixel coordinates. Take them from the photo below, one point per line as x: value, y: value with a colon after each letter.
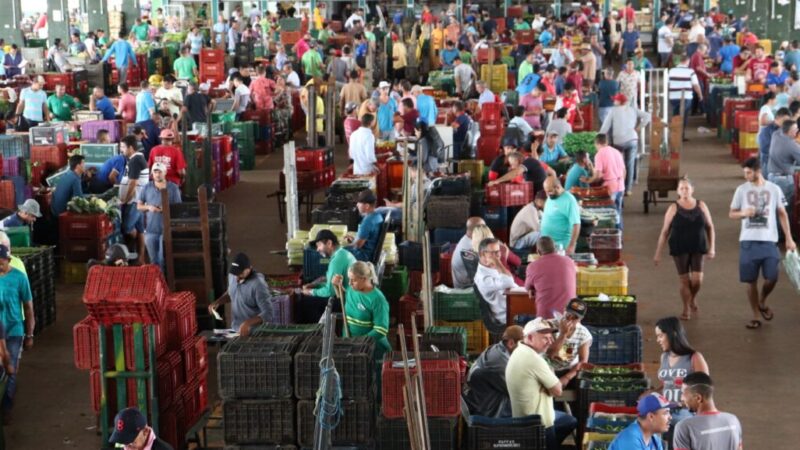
x: 616, y: 345
x: 448, y: 235
x: 15, y: 146
x: 314, y: 265
x: 495, y: 216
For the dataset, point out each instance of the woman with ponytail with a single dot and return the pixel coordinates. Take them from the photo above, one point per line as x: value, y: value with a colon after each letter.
x: 365, y: 307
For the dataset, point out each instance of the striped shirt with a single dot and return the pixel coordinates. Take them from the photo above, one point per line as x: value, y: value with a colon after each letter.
x: 682, y: 79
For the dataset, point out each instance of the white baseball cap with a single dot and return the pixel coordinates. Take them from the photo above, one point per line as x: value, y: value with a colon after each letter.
x: 539, y: 325
x: 159, y: 166
x: 384, y: 84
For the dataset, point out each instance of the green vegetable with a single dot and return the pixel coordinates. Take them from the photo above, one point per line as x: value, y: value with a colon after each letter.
x: 95, y: 205
x: 580, y: 141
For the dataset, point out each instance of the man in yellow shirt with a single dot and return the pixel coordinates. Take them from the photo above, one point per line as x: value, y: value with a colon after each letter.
x: 437, y: 44
x: 320, y: 113
x: 399, y: 58
x: 532, y: 384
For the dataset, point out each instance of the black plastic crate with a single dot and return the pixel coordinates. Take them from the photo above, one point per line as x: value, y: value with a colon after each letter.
x: 336, y: 216
x: 447, y: 211
x: 354, y: 362
x: 447, y: 235
x: 618, y: 393
x: 476, y: 203
x: 336, y: 199
x: 525, y: 433
x: 392, y: 434
x: 355, y: 426
x: 257, y: 367
x: 452, y: 185
x: 444, y: 342
x: 258, y: 421
x: 616, y: 345
x: 411, y: 256
x: 271, y: 329
x: 610, y: 313
x: 314, y: 265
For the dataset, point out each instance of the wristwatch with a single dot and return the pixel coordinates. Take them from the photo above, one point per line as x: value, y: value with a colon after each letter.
x: 28, y: 336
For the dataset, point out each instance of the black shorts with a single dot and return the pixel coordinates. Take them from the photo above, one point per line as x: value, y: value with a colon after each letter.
x: 689, y: 262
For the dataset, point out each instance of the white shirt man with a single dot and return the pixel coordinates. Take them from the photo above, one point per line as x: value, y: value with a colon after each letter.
x: 461, y: 278
x: 493, y: 279
x: 362, y: 147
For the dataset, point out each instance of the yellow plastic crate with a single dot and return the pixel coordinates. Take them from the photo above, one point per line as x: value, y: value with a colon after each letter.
x: 603, y: 276
x: 477, y: 335
x: 475, y: 169
x: 748, y: 140
x: 608, y: 290
x: 73, y: 273
x: 497, y: 78
x: 767, y: 44
x: 505, y: 50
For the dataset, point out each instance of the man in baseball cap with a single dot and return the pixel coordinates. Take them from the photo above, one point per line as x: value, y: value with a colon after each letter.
x: 486, y: 393
x: 132, y: 431
x: 363, y: 247
x: 149, y: 203
x: 532, y: 384
x: 327, y: 245
x: 654, y: 418
x: 248, y: 294
x: 169, y: 154
x: 26, y: 214
x: 573, y: 342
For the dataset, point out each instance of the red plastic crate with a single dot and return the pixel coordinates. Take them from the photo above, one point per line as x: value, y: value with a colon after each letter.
x: 86, y: 349
x: 195, y: 357
x: 177, y: 370
x: 394, y: 174
x: 210, y: 55
x: 524, y: 37
x: 83, y: 250
x: 745, y: 121
x: 310, y: 181
x: 83, y: 226
x: 442, y: 379
x: 313, y: 159
x: 407, y: 305
x: 181, y: 319
x: 164, y: 380
x: 262, y: 116
x: 7, y: 195
x: 607, y: 255
x: 732, y: 105
x: 514, y: 11
x: 130, y: 355
x: 195, y: 399
x: 586, y: 123
x: 290, y: 37
x: 111, y: 392
x: 501, y: 25
x: 488, y: 148
x: 168, y: 426
x: 596, y: 407
x: 747, y: 153
x: 51, y: 79
x: 284, y: 282
x: 54, y: 156
x: 492, y: 113
x: 509, y: 194
x: 126, y: 294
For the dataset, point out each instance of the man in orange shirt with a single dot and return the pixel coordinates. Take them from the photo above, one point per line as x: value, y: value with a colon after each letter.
x: 171, y: 156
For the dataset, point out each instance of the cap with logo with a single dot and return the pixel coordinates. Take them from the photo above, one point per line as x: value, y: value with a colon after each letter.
x: 324, y: 235
x: 539, y: 325
x: 127, y: 425
x: 160, y: 167
x: 5, y: 253
x: 239, y: 264
x: 651, y: 403
x: 577, y: 307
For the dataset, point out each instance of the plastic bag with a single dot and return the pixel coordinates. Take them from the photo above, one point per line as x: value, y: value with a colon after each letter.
x: 791, y: 263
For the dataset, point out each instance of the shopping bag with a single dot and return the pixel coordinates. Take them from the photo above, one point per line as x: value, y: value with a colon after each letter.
x: 791, y: 263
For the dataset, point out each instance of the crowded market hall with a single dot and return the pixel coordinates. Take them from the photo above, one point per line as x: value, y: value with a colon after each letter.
x: 408, y: 225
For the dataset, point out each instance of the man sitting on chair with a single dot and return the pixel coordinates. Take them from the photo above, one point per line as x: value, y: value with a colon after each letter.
x: 492, y: 278
x: 369, y: 231
x: 486, y: 393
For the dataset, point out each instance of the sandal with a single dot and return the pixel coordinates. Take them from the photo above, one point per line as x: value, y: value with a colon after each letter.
x: 686, y: 317
x: 766, y: 313
x: 754, y: 324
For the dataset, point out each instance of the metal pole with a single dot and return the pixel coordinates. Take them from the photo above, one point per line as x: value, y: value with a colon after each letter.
x: 665, y: 89
x: 643, y: 104
x: 322, y: 436
x: 330, y: 111
x: 214, y: 15
x: 460, y: 10
x: 505, y: 9
x: 290, y: 174
x: 311, y: 15
x: 311, y: 117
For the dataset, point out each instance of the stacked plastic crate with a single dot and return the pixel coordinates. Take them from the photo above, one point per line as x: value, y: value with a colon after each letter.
x: 460, y: 308
x: 82, y: 237
x: 212, y: 66
x: 244, y: 134
x: 263, y: 119
x: 40, y: 266
x: 124, y: 300
x: 184, y: 220
x: 727, y: 129
x: 442, y: 375
x: 340, y: 201
x: 747, y: 124
x: 447, y: 208
x: 492, y: 127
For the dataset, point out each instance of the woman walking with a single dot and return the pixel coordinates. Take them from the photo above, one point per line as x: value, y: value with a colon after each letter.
x: 690, y: 232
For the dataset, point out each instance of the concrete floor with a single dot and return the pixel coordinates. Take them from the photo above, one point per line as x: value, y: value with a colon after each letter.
x: 753, y: 376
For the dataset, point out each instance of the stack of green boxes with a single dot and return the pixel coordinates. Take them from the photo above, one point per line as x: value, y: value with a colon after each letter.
x: 223, y: 117
x: 155, y: 62
x: 245, y: 134
x: 171, y: 53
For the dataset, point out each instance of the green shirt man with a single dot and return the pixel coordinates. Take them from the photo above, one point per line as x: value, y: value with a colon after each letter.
x: 338, y: 265
x: 142, y: 30
x: 102, y: 41
x: 525, y: 69
x: 522, y: 26
x: 312, y: 63
x: 324, y: 36
x: 61, y: 107
x: 184, y: 68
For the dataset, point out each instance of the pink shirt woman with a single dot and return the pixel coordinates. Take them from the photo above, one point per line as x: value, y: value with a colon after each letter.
x: 533, y: 104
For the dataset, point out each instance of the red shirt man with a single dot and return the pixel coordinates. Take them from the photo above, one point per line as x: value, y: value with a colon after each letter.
x: 759, y: 67
x: 169, y: 155
x: 550, y: 280
x: 261, y: 89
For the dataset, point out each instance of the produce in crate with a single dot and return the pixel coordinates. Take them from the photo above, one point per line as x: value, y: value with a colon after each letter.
x: 580, y: 141
x: 95, y: 205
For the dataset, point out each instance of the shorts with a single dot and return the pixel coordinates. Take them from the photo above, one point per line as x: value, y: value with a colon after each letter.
x: 689, y: 262
x: 132, y: 219
x: 755, y: 256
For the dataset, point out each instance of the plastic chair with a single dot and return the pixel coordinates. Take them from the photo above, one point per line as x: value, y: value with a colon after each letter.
x: 495, y: 327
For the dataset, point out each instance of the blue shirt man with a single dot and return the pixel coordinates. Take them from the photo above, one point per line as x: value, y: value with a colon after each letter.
x: 448, y: 56
x: 69, y: 185
x: 114, y: 164
x: 386, y: 113
x: 714, y: 44
x: 726, y: 54
x: 642, y: 434
x: 551, y: 155
x: 428, y: 112
x: 149, y: 202
x: 104, y: 106
x: 370, y: 228
x: 574, y: 175
x: 145, y: 105
x: 546, y: 38
x: 122, y: 51
x: 561, y: 214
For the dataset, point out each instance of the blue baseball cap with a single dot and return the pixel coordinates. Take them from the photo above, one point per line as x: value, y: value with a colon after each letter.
x: 651, y: 403
x: 127, y: 425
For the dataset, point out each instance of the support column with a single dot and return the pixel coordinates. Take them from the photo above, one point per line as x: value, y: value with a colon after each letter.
x: 10, y: 16
x: 410, y: 8
x: 607, y: 8
x: 131, y: 10
x: 57, y: 9
x: 557, y: 8
x: 460, y: 10
x: 214, y: 12
x: 656, y: 13
x: 311, y: 16
x: 363, y: 4
x: 97, y: 10
x: 506, y: 4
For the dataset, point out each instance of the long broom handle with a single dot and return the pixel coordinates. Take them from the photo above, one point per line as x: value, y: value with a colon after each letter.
x: 341, y: 296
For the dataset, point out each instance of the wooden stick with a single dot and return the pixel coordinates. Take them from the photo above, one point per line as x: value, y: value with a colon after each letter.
x: 341, y: 296
x: 423, y: 425
x: 409, y: 391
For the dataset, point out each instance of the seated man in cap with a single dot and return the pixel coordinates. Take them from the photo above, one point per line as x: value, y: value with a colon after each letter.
x: 132, y: 432
x: 486, y: 393
x: 327, y: 245
x: 116, y: 255
x: 148, y: 201
x: 369, y: 230
x: 654, y: 418
x: 26, y: 214
x: 248, y: 294
x: 573, y: 342
x: 532, y: 384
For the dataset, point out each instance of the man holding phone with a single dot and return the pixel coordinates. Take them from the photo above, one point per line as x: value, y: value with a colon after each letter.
x: 149, y: 202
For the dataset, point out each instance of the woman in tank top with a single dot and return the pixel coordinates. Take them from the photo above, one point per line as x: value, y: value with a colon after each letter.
x: 689, y: 230
x: 677, y: 360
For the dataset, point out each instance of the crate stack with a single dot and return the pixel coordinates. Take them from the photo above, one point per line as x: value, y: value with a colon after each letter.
x: 155, y: 61
x: 244, y: 134
x: 212, y: 66
x: 460, y: 308
x: 727, y: 130
x: 187, y: 215
x: 492, y: 128
x: 40, y: 266
x: 495, y: 76
x: 282, y: 288
x: 746, y: 122
x: 82, y: 237
x: 610, y: 381
x: 46, y: 160
x: 442, y: 376
x: 224, y: 154
x: 447, y: 207
x: 519, y: 432
x: 340, y: 201
x: 264, y: 132
x: 116, y: 22
x: 132, y: 298
x: 606, y: 244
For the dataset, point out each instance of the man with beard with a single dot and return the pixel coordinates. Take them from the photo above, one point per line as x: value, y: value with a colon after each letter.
x: 327, y: 245
x: 370, y: 228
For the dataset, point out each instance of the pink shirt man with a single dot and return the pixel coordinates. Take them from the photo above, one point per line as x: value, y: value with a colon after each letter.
x: 608, y: 160
x: 127, y: 107
x: 552, y: 280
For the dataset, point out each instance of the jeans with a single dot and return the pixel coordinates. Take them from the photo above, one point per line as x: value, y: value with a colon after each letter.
x: 629, y: 151
x: 602, y: 112
x: 619, y: 197
x: 14, y: 345
x: 395, y: 214
x: 664, y: 57
x: 123, y: 74
x: 155, y: 248
x: 676, y: 109
x: 527, y: 241
x: 562, y: 427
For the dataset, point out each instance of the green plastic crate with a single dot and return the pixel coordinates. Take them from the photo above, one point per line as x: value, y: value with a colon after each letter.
x: 37, y: 43
x: 246, y: 148
x: 247, y: 162
x: 395, y: 285
x: 457, y: 305
x: 217, y: 117
x: 246, y: 130
x: 98, y: 153
x: 443, y: 330
x: 19, y: 237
